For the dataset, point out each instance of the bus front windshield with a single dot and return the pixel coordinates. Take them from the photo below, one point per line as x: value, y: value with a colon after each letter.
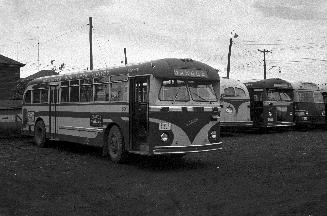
x: 278, y: 95
x: 180, y: 90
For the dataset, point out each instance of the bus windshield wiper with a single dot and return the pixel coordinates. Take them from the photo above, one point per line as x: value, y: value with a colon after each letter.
x: 177, y: 92
x: 203, y: 99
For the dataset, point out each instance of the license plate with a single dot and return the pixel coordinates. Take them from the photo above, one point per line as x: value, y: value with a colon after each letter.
x: 305, y: 118
x: 165, y: 126
x: 270, y: 119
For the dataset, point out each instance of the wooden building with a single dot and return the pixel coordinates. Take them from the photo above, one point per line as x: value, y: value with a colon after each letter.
x: 9, y: 75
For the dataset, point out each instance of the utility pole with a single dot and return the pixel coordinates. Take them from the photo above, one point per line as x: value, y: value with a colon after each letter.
x: 230, y: 52
x: 38, y: 55
x: 264, y: 62
x: 17, y: 51
x: 90, y: 40
x: 125, y: 56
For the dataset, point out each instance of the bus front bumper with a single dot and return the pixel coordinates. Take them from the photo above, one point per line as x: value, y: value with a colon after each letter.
x: 158, y: 150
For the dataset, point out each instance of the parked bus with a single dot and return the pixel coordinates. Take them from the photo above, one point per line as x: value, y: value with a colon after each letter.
x: 323, y: 89
x: 309, y: 107
x: 235, y: 102
x: 271, y: 103
x: 167, y: 106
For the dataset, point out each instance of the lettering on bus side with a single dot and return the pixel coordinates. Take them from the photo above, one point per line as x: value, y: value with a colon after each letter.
x: 190, y: 73
x: 96, y: 120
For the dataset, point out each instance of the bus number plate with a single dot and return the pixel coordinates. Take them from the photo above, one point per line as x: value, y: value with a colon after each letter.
x: 165, y: 126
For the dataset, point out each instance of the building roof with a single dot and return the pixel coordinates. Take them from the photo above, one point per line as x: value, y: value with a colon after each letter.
x: 8, y: 61
x: 41, y: 73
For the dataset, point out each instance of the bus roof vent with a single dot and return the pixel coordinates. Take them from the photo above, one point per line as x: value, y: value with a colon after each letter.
x: 187, y: 60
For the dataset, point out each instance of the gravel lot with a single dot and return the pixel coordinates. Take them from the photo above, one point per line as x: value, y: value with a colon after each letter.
x: 257, y: 174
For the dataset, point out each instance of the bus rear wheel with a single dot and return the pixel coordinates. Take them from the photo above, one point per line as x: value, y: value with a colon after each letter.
x: 115, y: 145
x: 39, y: 134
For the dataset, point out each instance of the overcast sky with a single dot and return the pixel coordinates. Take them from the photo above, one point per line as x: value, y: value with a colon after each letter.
x: 294, y: 30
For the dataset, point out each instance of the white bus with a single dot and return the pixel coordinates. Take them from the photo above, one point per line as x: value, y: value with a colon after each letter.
x: 235, y: 101
x: 167, y: 106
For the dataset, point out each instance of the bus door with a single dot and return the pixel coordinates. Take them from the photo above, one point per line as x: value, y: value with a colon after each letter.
x: 139, y: 107
x: 53, y: 127
x: 256, y: 110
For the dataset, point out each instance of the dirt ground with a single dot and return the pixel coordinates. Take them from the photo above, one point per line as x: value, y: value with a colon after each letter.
x: 256, y: 174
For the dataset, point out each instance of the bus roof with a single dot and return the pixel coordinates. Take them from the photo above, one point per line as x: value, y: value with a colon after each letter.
x: 305, y: 86
x: 169, y: 68
x: 228, y: 82
x: 276, y: 83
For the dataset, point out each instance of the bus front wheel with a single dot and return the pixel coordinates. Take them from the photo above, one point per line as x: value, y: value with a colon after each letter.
x: 39, y: 134
x: 115, y: 145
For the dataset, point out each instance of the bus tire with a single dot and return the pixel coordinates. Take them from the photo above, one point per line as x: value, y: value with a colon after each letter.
x: 39, y: 134
x: 114, y: 144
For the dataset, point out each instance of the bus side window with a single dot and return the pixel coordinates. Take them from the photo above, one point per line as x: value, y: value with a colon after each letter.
x: 44, y: 95
x: 86, y: 90
x: 239, y: 92
x: 74, y: 90
x: 64, y: 91
x: 27, y: 97
x: 36, y: 96
x: 229, y: 92
x: 118, y: 91
x: 101, y: 89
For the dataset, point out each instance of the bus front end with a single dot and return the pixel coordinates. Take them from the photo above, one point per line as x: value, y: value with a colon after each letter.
x: 278, y: 113
x: 184, y: 109
x: 184, y: 129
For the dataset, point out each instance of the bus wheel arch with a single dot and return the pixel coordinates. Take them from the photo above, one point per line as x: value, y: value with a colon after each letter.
x: 114, y: 144
x: 39, y: 133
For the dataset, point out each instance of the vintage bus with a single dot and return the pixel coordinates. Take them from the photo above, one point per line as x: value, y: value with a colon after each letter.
x: 309, y: 107
x: 323, y: 90
x: 271, y: 103
x: 235, y: 103
x: 167, y: 106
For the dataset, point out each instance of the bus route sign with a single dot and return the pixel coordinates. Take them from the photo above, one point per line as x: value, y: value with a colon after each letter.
x: 190, y: 73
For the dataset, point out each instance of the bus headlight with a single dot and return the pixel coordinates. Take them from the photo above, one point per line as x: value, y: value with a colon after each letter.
x: 213, y: 134
x: 164, y: 137
x: 323, y: 113
x: 307, y: 112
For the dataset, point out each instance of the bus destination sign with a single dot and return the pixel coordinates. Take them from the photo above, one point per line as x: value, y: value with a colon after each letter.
x: 190, y: 73
x: 281, y: 85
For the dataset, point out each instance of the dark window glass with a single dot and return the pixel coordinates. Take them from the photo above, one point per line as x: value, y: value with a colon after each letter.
x: 64, y: 94
x: 101, y: 89
x: 36, y: 96
x: 119, y: 91
x: 173, y: 90
x: 86, y: 93
x: 305, y: 96
x: 44, y: 95
x: 317, y: 97
x: 64, y: 91
x: 201, y: 91
x: 101, y: 92
x: 74, y: 91
x: 239, y: 92
x: 229, y: 92
x: 27, y: 97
